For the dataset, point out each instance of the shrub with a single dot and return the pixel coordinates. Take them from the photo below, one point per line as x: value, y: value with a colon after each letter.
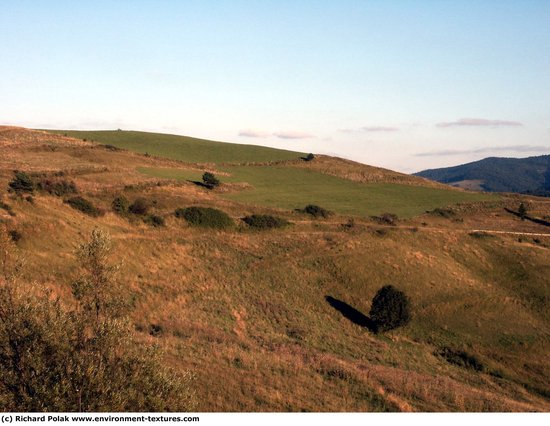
x: 84, y: 358
x: 140, y: 206
x: 15, y: 235
x: 22, y: 182
x: 386, y: 218
x: 154, y: 220
x: 316, y: 211
x: 390, y: 309
x: 120, y: 205
x: 309, y: 157
x: 446, y: 213
x: 84, y: 205
x: 29, y: 199
x: 522, y: 211
x: 264, y: 221
x: 57, y: 187
x: 210, y: 181
x: 205, y: 216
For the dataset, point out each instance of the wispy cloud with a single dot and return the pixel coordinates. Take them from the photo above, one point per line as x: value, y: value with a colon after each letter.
x: 367, y: 129
x: 487, y: 150
x: 248, y: 133
x: 293, y: 135
x: 479, y: 122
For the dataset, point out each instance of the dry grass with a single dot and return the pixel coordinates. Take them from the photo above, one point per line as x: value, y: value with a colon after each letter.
x: 246, y: 311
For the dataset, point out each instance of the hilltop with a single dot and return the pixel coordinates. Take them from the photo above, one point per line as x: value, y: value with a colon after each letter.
x: 524, y: 175
x: 262, y: 318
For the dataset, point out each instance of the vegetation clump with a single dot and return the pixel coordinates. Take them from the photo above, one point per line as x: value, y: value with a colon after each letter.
x: 154, y: 220
x: 21, y: 183
x: 210, y: 180
x: 390, y: 309
x: 316, y: 211
x: 446, y: 213
x: 205, y: 217
x: 139, y: 207
x: 522, y: 211
x: 386, y: 219
x: 84, y: 205
x: 120, y: 205
x: 80, y: 359
x: 309, y: 157
x: 57, y: 187
x: 259, y: 221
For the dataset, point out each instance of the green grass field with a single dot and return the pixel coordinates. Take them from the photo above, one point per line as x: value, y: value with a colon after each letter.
x: 184, y: 148
x: 291, y: 188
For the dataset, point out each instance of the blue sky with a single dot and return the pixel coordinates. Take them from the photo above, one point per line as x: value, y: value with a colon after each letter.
x: 401, y: 84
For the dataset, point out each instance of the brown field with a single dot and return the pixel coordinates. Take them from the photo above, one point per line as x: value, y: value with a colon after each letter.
x: 246, y: 311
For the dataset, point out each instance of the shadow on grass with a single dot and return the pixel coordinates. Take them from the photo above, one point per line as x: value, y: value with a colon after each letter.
x: 202, y: 184
x: 532, y: 219
x: 351, y: 313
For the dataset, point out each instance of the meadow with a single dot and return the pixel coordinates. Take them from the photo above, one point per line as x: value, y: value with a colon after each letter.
x: 184, y: 148
x: 292, y: 188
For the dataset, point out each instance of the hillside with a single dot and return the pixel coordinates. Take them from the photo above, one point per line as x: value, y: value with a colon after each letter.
x: 262, y: 318
x: 524, y: 175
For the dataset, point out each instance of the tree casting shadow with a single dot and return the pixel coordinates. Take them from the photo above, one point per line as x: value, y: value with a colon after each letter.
x: 351, y: 313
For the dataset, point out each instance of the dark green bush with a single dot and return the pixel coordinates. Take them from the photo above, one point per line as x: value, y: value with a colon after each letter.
x: 390, y: 309
x: 84, y: 205
x: 120, y: 205
x: 140, y: 206
x: 316, y: 211
x: 205, y: 216
x: 309, y: 157
x: 522, y: 211
x: 264, y: 221
x: 22, y: 182
x: 154, y: 220
x: 57, y: 187
x: 210, y: 181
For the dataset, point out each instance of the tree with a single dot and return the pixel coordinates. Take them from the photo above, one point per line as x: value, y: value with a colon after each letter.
x: 210, y: 180
x: 140, y: 206
x: 522, y: 211
x: 22, y: 182
x: 58, y: 359
x: 309, y: 157
x: 390, y: 309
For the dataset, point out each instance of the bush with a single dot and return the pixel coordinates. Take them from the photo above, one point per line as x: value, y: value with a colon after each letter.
x: 390, y: 309
x: 57, y: 187
x: 309, y: 157
x: 81, y: 358
x: 205, y: 216
x: 154, y: 220
x: 15, y: 235
x: 140, y: 207
x: 316, y: 211
x: 120, y: 205
x: 210, y: 181
x: 264, y: 221
x: 22, y: 182
x: 84, y: 205
x: 386, y: 218
x: 522, y: 211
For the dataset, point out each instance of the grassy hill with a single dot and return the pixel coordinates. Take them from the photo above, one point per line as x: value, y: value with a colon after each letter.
x: 525, y: 175
x: 339, y: 185
x: 184, y: 148
x: 252, y: 313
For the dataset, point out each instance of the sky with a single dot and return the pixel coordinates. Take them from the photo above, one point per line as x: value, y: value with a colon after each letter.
x: 406, y: 85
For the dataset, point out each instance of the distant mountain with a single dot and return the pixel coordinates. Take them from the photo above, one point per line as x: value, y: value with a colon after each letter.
x: 525, y: 175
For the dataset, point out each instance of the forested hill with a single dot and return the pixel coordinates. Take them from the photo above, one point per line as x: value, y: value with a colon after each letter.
x: 525, y: 175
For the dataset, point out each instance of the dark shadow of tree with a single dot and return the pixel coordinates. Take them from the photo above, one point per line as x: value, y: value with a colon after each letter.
x: 351, y: 313
x: 532, y: 219
x: 202, y: 184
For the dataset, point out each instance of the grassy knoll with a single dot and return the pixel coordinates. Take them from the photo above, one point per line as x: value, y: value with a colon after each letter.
x: 291, y: 188
x: 184, y: 148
